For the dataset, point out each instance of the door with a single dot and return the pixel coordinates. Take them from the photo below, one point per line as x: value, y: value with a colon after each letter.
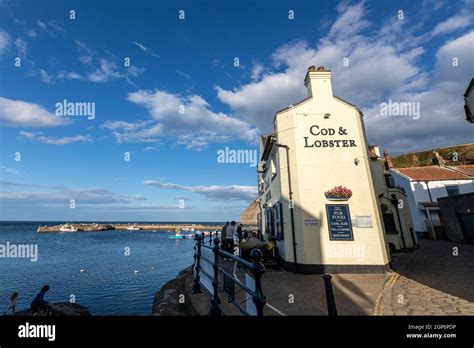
x: 467, y: 223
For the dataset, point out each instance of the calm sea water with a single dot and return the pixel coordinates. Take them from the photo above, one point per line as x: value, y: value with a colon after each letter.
x: 108, y: 284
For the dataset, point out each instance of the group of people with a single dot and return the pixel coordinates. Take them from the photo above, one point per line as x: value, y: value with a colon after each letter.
x: 233, y: 233
x: 38, y: 305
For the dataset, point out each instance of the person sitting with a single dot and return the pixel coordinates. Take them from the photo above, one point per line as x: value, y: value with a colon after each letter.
x: 39, y: 305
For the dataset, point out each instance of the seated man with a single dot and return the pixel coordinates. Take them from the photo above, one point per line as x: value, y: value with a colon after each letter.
x: 39, y: 304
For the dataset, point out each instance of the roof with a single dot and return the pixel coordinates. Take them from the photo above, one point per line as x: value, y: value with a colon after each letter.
x: 431, y: 173
x: 466, y: 169
x: 294, y: 104
x: 267, y: 147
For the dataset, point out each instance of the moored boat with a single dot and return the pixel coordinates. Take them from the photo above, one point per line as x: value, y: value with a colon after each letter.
x: 68, y: 228
x: 133, y: 227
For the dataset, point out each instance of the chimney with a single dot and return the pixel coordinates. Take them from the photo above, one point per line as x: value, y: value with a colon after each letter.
x: 318, y: 82
x: 436, y: 159
x: 388, y: 162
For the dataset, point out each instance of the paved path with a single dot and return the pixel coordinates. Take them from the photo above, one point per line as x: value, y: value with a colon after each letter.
x: 436, y: 279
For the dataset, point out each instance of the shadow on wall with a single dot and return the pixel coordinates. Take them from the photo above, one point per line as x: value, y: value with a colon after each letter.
x: 355, y: 293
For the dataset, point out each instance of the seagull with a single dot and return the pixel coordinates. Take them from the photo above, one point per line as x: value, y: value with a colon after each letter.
x: 135, y: 271
x: 82, y: 270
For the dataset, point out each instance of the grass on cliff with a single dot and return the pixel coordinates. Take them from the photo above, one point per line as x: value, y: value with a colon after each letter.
x: 464, y: 154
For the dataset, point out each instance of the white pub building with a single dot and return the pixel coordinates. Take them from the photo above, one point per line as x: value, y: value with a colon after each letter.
x: 316, y: 191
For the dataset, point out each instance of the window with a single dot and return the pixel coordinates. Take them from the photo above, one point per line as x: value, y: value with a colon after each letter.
x: 278, y: 209
x: 389, y: 223
x: 452, y: 190
x: 389, y: 181
x: 273, y: 166
x: 269, y: 221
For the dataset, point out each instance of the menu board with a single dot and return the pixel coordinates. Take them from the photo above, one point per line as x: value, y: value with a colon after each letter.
x: 339, y: 222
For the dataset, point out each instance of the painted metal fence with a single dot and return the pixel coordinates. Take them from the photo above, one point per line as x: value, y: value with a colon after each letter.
x: 209, y: 265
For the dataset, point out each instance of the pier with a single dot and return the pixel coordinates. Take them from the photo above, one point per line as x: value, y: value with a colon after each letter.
x: 87, y: 227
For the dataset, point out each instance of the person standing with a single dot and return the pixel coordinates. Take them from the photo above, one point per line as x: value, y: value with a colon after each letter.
x: 239, y: 232
x: 12, y: 305
x: 229, y: 237
x: 223, y: 234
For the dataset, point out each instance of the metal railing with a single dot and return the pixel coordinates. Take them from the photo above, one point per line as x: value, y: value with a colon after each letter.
x: 206, y: 270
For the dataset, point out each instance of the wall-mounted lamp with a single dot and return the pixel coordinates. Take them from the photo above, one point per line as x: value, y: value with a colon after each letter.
x: 356, y: 161
x: 326, y: 116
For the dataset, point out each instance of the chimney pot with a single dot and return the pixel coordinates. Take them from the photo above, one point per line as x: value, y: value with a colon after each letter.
x: 312, y: 68
x: 321, y: 68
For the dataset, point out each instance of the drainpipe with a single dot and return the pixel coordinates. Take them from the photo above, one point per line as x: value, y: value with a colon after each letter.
x: 295, y: 264
x: 428, y: 210
x: 395, y: 204
x: 429, y: 192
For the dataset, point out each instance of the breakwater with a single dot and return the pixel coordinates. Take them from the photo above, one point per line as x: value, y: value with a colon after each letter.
x: 78, y: 227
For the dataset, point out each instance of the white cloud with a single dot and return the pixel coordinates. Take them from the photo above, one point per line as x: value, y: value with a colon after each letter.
x: 39, y: 137
x: 46, y: 77
x: 8, y: 170
x: 145, y: 49
x: 4, y: 41
x: 21, y: 46
x: 58, y: 196
x: 108, y: 70
x: 442, y: 120
x: 453, y: 23
x: 383, y: 63
x: 23, y: 114
x: 51, y: 27
x: 188, y: 119
x: 257, y: 70
x: 183, y: 74
x: 69, y: 75
x: 31, y: 33
x: 41, y: 24
x: 213, y: 192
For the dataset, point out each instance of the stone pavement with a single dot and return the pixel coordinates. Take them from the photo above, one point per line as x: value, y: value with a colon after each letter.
x: 437, y: 279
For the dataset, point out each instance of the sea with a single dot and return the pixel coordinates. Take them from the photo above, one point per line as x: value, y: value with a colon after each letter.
x: 109, y: 272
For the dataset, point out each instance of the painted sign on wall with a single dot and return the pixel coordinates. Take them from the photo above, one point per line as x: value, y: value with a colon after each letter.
x: 339, y: 222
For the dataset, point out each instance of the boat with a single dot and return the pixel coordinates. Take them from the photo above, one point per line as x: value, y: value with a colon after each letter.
x: 68, y: 228
x: 180, y: 235
x: 133, y: 227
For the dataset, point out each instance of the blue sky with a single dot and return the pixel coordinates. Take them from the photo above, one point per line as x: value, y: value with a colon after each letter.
x: 176, y: 63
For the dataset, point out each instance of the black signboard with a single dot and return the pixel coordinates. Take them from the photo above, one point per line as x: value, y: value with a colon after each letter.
x: 339, y: 222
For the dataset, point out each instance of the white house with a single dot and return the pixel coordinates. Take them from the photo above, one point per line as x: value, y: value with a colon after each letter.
x: 316, y: 192
x: 424, y: 185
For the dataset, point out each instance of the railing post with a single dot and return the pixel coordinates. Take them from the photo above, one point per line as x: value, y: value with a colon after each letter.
x: 197, y: 264
x: 258, y: 269
x: 329, y: 295
x: 210, y: 237
x: 215, y: 311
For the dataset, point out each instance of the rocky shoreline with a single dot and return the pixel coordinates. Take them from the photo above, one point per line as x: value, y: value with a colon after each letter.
x: 60, y: 309
x: 174, y: 298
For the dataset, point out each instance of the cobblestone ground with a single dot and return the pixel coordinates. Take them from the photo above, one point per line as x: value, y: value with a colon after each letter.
x: 430, y: 281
